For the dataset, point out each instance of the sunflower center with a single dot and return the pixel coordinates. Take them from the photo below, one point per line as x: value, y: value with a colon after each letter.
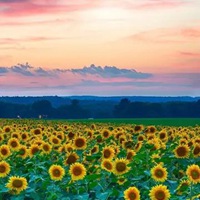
x: 140, y: 138
x: 77, y: 171
x: 13, y: 144
x: 106, y: 153
x: 159, y: 173
x: 181, y: 151
x: 120, y: 166
x: 7, y: 130
x: 71, y: 135
x: 37, y: 132
x: 46, y: 147
x: 34, y: 150
x: 162, y: 135
x: 71, y: 159
x: 17, y: 183
x: 132, y: 196
x: 4, y: 152
x: 196, y: 150
x: 160, y: 195
x: 56, y: 172
x: 55, y: 141
x: 2, y: 168
x: 195, y: 174
x: 105, y: 134
x: 79, y: 142
x: 137, y: 128
x: 108, y: 165
x: 23, y: 136
x: 94, y: 150
x: 129, y: 155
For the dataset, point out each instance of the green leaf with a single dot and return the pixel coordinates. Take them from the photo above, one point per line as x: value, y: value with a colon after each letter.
x: 103, y: 196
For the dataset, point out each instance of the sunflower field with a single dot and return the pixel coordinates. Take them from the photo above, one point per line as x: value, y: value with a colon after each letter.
x: 62, y: 160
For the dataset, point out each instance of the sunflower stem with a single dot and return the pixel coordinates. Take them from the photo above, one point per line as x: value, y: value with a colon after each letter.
x: 191, y: 188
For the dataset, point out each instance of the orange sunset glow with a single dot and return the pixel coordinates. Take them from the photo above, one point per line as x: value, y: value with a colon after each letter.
x: 100, y: 47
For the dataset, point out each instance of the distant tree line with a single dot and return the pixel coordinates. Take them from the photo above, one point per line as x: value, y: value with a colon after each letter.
x: 123, y: 109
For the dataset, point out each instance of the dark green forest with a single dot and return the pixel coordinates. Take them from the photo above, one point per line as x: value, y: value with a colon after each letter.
x: 83, y: 109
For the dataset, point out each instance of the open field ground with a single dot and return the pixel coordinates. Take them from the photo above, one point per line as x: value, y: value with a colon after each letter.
x: 147, y: 121
x: 155, y: 159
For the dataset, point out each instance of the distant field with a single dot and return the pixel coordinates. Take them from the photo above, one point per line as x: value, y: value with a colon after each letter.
x: 147, y: 121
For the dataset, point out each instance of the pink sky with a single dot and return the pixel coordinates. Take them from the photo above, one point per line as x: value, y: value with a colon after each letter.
x: 157, y: 37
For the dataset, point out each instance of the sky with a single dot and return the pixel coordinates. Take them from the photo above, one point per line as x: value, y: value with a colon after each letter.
x: 100, y: 47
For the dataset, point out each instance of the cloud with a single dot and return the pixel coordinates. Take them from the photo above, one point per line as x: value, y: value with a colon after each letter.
x: 167, y: 35
x: 153, y: 4
x: 18, y: 8
x: 36, y: 22
x: 191, y: 32
x: 22, y: 69
x: 111, y: 72
x: 27, y: 39
x: 189, y: 54
x: 3, y: 70
x: 93, y: 80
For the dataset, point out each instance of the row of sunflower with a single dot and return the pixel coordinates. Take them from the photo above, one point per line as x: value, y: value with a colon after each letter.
x: 63, y: 160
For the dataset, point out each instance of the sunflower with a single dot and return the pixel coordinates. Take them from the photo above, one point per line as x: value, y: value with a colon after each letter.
x: 4, y: 169
x: 108, y: 152
x: 37, y: 131
x: 127, y: 144
x: 16, y: 135
x: 62, y: 149
x: 159, y: 173
x: 90, y: 133
x: 183, y: 186
x: 120, y: 166
x: 106, y: 133
x: 122, y: 138
x: 95, y: 149
x: 141, y: 137
x: 107, y: 165
x: 34, y: 148
x: 71, y: 158
x: 183, y: 141
x: 159, y: 192
x: 5, y: 151
x: 130, y: 154
x: 77, y: 171
x: 181, y: 151
x: 151, y: 129
x: 17, y: 184
x: 46, y: 148
x: 138, y: 128
x: 23, y: 152
x: 121, y: 180
x: 69, y: 147
x: 1, y: 138
x: 138, y: 146
x: 54, y: 141
x: 14, y: 144
x: 60, y: 135
x: 193, y: 173
x: 80, y: 143
x: 132, y: 193
x: 71, y: 135
x: 196, y: 150
x: 162, y: 135
x: 56, y: 172
x: 93, y: 126
x: 24, y: 136
x: 7, y: 129
x: 155, y: 156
